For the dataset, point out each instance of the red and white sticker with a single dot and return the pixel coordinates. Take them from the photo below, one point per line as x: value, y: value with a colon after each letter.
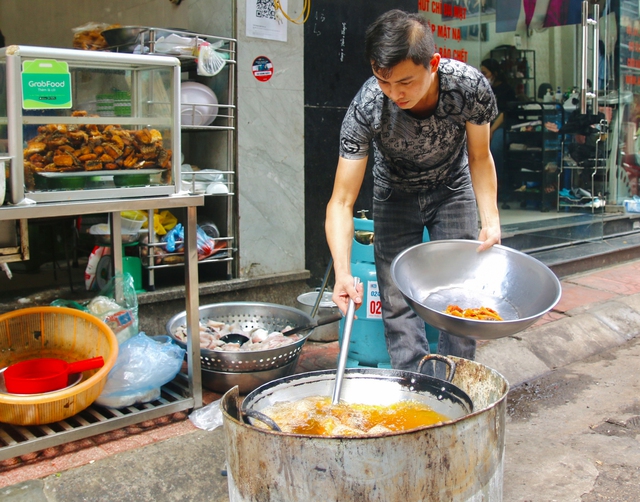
x: 374, y: 306
x: 262, y: 68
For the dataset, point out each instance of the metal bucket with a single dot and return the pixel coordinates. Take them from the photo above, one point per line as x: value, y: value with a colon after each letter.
x: 460, y: 460
x: 306, y: 302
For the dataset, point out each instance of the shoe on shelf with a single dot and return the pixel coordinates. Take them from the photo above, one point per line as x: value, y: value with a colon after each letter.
x: 581, y: 192
x: 568, y: 161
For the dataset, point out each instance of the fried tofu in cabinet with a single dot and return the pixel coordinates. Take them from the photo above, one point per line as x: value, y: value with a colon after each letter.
x: 66, y: 145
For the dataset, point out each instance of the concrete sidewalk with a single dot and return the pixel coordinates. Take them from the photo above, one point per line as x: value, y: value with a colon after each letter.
x: 170, y: 459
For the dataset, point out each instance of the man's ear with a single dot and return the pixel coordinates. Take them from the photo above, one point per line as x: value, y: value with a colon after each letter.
x: 435, y: 61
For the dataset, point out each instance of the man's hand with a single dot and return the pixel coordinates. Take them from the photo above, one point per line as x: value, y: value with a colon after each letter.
x: 489, y: 236
x: 344, y: 290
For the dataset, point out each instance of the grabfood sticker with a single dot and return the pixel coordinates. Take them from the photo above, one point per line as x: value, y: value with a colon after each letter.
x: 262, y: 68
x: 46, y: 83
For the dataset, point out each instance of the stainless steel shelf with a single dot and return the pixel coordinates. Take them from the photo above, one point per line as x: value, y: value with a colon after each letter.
x: 16, y: 440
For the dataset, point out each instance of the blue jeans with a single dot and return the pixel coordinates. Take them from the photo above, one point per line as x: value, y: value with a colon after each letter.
x: 399, y: 220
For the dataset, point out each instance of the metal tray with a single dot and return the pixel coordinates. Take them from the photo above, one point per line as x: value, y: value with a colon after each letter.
x: 101, y: 173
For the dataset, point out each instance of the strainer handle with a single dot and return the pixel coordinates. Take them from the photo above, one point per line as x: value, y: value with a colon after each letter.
x: 441, y: 358
x: 314, y: 310
x: 261, y: 417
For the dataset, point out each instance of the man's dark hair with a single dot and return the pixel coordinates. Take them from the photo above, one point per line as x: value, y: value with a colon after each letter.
x: 494, y: 67
x: 396, y: 36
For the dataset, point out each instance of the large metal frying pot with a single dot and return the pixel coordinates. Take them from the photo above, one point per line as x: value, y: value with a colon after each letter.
x: 433, y: 275
x: 364, y: 386
x: 460, y: 460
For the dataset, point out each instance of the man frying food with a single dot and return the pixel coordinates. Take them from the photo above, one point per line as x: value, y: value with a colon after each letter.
x: 426, y: 121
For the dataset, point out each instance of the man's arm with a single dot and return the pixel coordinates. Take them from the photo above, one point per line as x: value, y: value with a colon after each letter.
x: 339, y: 228
x: 485, y: 185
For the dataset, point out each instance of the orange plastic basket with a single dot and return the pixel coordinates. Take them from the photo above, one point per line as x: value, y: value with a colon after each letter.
x: 56, y: 332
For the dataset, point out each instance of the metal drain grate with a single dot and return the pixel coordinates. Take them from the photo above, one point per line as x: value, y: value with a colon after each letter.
x: 18, y: 440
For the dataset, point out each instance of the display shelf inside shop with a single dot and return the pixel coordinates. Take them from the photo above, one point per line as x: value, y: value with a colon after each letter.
x: 579, y: 198
x: 532, y: 152
x: 581, y: 184
x: 185, y: 392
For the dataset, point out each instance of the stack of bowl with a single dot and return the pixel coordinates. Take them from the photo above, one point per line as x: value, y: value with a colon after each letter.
x: 222, y: 370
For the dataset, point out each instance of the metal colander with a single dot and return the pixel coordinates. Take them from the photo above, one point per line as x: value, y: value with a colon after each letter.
x: 249, y: 315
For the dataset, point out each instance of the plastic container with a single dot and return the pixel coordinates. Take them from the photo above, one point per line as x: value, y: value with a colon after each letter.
x: 57, y: 332
x: 102, y: 234
x: 132, y: 222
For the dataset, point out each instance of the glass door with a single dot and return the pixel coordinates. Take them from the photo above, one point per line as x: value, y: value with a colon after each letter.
x: 623, y: 64
x: 537, y: 46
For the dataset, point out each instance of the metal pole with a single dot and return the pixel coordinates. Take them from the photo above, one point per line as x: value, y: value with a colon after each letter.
x: 344, y: 348
x: 596, y: 54
x: 192, y: 304
x: 583, y: 67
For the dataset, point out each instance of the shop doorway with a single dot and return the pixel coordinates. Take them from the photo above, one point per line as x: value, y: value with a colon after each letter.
x: 549, y: 181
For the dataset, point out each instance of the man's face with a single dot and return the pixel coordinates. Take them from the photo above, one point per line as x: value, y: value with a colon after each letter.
x: 408, y: 84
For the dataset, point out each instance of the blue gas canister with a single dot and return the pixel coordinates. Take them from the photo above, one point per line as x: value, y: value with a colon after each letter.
x: 367, y: 346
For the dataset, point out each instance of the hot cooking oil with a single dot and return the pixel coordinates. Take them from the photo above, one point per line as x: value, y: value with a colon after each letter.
x: 316, y: 416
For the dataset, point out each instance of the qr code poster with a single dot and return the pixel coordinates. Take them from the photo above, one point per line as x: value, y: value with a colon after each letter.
x: 264, y: 21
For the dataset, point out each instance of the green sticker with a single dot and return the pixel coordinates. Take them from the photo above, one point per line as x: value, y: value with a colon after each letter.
x: 46, y: 83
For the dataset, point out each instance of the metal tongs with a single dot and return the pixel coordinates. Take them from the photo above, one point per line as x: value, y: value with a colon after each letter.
x: 344, y: 348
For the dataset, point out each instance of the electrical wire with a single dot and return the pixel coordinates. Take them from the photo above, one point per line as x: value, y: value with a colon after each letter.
x: 304, y: 15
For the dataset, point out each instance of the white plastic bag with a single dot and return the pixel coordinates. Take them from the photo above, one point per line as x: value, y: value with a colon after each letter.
x: 208, y: 417
x: 144, y: 365
x: 210, y: 63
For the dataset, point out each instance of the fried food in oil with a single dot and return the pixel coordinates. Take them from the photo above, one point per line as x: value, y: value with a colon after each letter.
x: 479, y: 314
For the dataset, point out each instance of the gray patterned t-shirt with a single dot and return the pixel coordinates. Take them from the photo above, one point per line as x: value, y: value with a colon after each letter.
x: 418, y: 154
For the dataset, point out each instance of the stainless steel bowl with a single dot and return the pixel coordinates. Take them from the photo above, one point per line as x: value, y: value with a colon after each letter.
x: 269, y: 316
x: 222, y: 381
x: 433, y: 275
